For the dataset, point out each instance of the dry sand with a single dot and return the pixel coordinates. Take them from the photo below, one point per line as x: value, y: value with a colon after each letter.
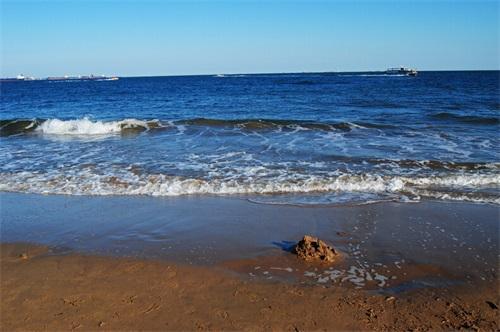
x: 41, y: 290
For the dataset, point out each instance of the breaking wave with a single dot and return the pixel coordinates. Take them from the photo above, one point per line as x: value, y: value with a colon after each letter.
x: 464, y: 187
x: 86, y: 126
x: 82, y: 127
x: 262, y: 124
x: 17, y: 126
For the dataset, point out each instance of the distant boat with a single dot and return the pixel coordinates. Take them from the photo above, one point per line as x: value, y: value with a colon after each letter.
x: 21, y: 78
x: 401, y: 71
x: 18, y: 78
x: 83, y: 78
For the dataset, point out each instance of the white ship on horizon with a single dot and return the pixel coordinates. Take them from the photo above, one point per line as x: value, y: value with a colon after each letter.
x: 401, y: 71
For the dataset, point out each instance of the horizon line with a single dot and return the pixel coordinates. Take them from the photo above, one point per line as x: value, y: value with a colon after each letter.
x: 252, y: 73
x: 301, y: 72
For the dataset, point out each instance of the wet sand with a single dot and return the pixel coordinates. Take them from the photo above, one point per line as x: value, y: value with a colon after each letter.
x: 224, y: 263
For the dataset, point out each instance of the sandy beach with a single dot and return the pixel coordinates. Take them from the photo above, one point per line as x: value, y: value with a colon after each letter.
x: 217, y: 263
x: 43, y: 291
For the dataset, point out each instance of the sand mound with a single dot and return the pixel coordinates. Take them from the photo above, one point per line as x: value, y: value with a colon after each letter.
x: 311, y: 248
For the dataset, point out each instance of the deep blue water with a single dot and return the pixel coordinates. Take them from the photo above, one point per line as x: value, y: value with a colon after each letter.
x: 280, y: 138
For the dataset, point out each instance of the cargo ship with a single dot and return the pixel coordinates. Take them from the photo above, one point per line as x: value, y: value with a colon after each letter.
x: 22, y: 78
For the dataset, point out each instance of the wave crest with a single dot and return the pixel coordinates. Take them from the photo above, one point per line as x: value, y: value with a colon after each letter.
x: 80, y: 127
x: 465, y: 187
x: 87, y: 127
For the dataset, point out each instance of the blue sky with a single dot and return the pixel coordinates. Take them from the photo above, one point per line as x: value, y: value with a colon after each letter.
x: 134, y: 38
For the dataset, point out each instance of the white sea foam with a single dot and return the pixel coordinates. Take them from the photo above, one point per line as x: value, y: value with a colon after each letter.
x: 87, y: 181
x: 87, y: 127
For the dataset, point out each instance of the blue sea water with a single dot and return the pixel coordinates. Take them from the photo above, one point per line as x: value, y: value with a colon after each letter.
x: 317, y: 138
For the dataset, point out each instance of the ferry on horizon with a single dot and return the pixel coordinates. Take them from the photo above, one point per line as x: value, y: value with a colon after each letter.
x: 21, y: 78
x: 401, y: 71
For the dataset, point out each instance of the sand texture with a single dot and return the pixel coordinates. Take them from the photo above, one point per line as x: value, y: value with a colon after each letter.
x: 45, y: 291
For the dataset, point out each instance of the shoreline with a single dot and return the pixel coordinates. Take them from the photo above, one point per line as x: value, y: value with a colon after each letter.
x: 462, y: 238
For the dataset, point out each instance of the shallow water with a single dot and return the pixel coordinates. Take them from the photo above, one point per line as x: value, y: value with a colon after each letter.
x: 383, y: 245
x: 283, y: 139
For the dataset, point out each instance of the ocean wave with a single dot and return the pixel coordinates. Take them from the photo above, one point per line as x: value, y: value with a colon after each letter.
x: 256, y: 124
x: 435, y: 165
x: 281, y: 125
x: 471, y: 119
x: 85, y: 126
x: 79, y: 127
x: 466, y: 187
x: 17, y: 126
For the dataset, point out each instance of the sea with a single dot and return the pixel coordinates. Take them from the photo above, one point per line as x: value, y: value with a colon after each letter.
x: 301, y: 139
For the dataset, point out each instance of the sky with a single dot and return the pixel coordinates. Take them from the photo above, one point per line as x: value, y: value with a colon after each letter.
x: 148, y: 38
